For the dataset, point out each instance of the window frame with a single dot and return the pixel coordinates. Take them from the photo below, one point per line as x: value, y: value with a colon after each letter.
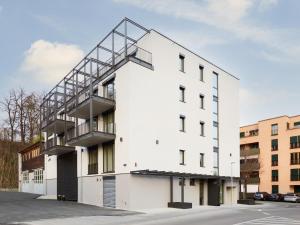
x: 202, y: 128
x: 106, y: 148
x: 201, y: 70
x: 93, y: 160
x: 181, y: 157
x: 201, y: 96
x: 182, y: 123
x: 181, y: 63
x: 202, y: 165
x: 182, y: 93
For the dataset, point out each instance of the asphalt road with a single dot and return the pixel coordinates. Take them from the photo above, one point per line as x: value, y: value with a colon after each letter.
x: 22, y: 207
x: 25, y: 209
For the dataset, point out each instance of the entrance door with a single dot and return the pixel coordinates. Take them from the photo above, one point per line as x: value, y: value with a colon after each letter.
x: 213, y: 187
x: 201, y: 192
x: 109, y: 191
x: 67, y: 184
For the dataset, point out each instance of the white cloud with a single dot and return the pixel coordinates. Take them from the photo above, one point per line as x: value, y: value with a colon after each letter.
x: 49, y: 62
x: 265, y: 5
x: 234, y: 17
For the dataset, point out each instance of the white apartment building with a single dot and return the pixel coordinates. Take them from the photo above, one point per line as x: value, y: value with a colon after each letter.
x: 164, y: 130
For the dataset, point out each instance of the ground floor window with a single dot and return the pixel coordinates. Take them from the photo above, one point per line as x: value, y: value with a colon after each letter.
x: 38, y: 176
x: 93, y: 160
x: 25, y: 177
x: 274, y: 189
x: 108, y: 158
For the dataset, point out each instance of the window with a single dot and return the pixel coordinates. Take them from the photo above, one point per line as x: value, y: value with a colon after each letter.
x: 25, y: 177
x: 274, y: 189
x: 274, y: 175
x: 180, y: 181
x: 202, y: 128
x: 274, y: 129
x: 201, y: 69
x: 192, y: 182
x: 93, y: 160
x: 294, y: 142
x: 109, y: 89
x: 215, y: 160
x: 182, y: 94
x: 108, y: 158
x: 182, y: 123
x: 295, y: 174
x: 201, y: 101
x: 181, y: 157
x: 295, y: 158
x: 109, y: 122
x: 242, y: 134
x: 275, y: 160
x: 201, y: 159
x: 274, y: 144
x: 253, y: 132
x: 297, y: 124
x: 181, y: 63
x: 38, y: 176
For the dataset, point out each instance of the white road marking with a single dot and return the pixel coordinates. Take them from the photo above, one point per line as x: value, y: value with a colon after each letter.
x: 270, y: 220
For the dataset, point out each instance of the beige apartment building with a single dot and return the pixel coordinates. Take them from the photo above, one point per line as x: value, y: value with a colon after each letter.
x: 270, y: 155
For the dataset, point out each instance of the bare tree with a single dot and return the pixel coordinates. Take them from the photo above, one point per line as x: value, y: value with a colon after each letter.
x: 21, y: 116
x: 8, y: 105
x: 250, y: 165
x: 32, y: 113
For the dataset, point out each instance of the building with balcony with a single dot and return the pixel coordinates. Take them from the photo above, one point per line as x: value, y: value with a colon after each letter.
x: 142, y: 122
x: 270, y: 153
x: 31, y: 169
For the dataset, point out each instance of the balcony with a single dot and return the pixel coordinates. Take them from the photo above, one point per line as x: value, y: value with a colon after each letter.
x: 86, y: 136
x: 249, y: 152
x: 99, y: 104
x: 52, y: 148
x: 249, y: 166
x: 57, y: 125
x: 253, y: 180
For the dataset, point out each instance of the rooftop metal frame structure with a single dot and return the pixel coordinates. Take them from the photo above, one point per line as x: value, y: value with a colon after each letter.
x: 113, y: 51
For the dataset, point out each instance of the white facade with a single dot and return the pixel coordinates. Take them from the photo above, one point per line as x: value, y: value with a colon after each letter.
x: 148, y: 110
x: 148, y: 137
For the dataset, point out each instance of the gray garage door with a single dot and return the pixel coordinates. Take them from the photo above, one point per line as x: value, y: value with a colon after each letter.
x: 109, y: 192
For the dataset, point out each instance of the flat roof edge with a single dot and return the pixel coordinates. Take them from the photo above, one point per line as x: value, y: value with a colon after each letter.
x: 194, y: 53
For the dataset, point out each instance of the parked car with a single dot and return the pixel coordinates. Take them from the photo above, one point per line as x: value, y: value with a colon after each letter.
x: 291, y: 197
x: 260, y: 196
x: 275, y: 197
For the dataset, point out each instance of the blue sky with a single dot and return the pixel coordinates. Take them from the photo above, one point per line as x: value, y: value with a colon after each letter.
x: 256, y: 40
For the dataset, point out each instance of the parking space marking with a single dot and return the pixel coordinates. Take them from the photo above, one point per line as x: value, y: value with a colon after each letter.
x: 270, y: 220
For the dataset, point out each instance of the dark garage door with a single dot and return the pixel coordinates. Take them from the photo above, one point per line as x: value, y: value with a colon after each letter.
x: 109, y: 192
x: 213, y: 187
x: 67, y: 184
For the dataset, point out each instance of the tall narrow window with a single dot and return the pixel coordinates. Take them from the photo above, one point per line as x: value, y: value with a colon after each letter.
x: 182, y: 94
x: 275, y: 160
x: 295, y: 174
x: 201, y: 68
x: 274, y: 144
x: 181, y: 63
x: 108, y: 158
x: 182, y: 123
x: 108, y: 122
x: 181, y: 157
x: 201, y: 159
x: 93, y: 159
x: 274, y: 129
x: 202, y: 128
x: 201, y: 101
x: 274, y: 189
x: 274, y: 175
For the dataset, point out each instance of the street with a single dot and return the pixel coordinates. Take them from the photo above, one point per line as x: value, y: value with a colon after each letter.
x: 22, y: 208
